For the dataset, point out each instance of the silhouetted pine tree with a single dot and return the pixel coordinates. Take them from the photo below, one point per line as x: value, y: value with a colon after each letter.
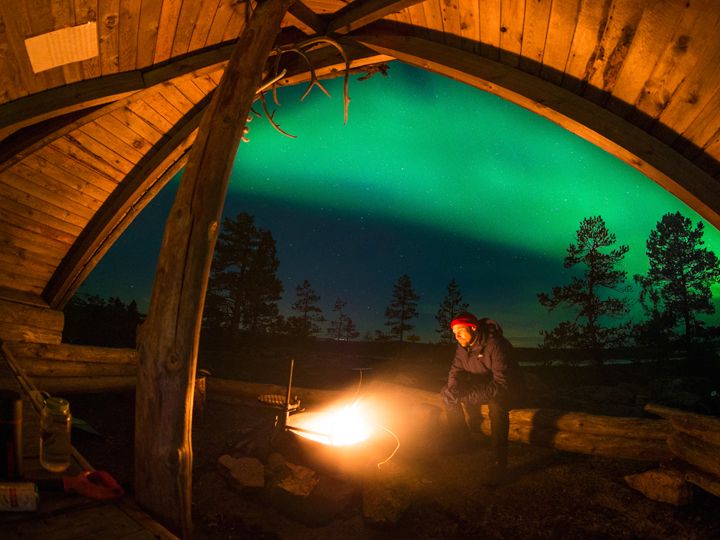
x: 264, y: 288
x: 593, y: 252
x: 92, y: 320
x: 450, y: 307
x: 402, y: 308
x: 243, y: 289
x: 342, y: 327
x: 678, y: 283
x: 305, y: 324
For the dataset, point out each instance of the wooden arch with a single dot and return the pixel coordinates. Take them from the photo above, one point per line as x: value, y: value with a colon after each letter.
x: 85, y: 144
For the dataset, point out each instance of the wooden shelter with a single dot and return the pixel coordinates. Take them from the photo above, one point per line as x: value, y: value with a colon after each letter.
x: 103, y: 101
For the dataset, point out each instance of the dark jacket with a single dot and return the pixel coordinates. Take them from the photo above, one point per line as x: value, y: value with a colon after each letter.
x: 487, y: 369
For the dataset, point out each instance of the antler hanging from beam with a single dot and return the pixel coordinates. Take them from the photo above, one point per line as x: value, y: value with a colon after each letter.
x: 301, y: 49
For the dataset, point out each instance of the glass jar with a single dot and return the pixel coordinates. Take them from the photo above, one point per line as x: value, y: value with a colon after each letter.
x: 55, y: 434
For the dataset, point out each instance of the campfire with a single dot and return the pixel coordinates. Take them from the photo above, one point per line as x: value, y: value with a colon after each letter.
x: 340, y: 426
x: 341, y: 432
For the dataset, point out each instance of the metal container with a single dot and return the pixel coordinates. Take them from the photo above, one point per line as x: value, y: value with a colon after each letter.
x: 11, y: 450
x: 18, y: 497
x: 351, y: 460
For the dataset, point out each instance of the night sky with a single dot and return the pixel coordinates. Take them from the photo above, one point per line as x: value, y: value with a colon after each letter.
x: 429, y: 178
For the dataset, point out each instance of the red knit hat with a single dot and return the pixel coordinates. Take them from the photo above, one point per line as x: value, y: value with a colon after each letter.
x: 466, y: 319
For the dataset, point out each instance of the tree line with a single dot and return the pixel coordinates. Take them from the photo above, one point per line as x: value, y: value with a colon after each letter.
x: 244, y: 291
x: 675, y: 290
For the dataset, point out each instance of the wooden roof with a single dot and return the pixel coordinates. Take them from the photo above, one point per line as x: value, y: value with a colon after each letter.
x: 84, y: 146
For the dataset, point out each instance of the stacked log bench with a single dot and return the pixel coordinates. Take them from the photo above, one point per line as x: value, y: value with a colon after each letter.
x: 617, y: 437
x: 695, y: 443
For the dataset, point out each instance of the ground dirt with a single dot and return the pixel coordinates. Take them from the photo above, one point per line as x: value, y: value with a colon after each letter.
x: 428, y: 493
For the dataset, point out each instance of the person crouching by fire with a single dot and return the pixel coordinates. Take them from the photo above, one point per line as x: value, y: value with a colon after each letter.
x: 483, y: 371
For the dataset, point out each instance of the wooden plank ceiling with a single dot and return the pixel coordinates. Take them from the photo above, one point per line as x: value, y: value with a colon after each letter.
x: 84, y: 146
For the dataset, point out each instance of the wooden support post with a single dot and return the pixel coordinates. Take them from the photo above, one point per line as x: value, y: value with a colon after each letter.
x: 169, y: 338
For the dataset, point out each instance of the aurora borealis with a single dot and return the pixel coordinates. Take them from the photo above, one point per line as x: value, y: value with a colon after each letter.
x: 429, y: 178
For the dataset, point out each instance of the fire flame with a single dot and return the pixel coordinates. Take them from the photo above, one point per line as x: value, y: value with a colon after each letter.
x: 343, y: 426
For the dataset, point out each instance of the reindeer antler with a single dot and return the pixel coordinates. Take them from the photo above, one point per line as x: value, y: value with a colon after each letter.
x: 301, y: 50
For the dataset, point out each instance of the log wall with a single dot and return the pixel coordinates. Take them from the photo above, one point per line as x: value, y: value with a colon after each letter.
x: 67, y: 369
x: 21, y: 320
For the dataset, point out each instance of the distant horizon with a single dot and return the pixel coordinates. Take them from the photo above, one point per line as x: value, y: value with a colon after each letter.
x: 429, y: 178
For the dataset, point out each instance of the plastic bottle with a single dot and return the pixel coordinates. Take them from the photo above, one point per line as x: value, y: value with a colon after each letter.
x: 55, y: 435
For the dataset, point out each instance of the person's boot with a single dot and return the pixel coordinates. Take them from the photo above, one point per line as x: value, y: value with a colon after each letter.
x: 457, y: 439
x: 475, y: 420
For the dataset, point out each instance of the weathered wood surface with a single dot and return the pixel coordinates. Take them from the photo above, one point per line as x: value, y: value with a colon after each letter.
x: 170, y: 335
x: 121, y: 208
x: 65, y: 352
x: 356, y: 15
x: 72, y: 369
x: 22, y: 322
x: 643, y: 74
x: 702, y: 455
x: 706, y: 429
x: 614, y: 446
x: 672, y: 171
x: 629, y: 438
x: 704, y: 480
x: 67, y: 368
x: 614, y: 426
x: 695, y: 440
x: 653, y: 72
x: 712, y: 422
x: 85, y: 385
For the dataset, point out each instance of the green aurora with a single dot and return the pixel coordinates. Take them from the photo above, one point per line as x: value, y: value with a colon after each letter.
x: 450, y: 167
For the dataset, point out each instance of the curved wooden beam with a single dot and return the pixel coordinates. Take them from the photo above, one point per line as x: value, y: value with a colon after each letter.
x: 604, y: 129
x: 124, y: 204
x: 306, y: 19
x: 35, y: 108
x: 27, y: 141
x: 360, y: 13
x: 155, y: 170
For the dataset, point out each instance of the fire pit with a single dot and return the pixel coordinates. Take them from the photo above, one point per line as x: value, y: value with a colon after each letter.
x: 342, y: 439
x: 341, y: 426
